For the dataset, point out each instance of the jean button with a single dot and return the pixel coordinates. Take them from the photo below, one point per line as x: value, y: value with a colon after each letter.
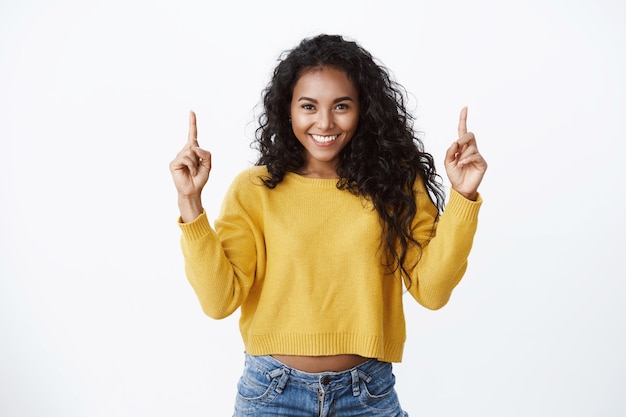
x: 325, y: 380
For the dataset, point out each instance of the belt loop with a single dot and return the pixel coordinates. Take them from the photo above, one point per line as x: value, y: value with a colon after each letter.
x: 356, y: 389
x: 365, y: 377
x: 282, y: 382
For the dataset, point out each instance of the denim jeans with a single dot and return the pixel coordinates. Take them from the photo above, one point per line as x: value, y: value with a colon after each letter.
x: 269, y: 388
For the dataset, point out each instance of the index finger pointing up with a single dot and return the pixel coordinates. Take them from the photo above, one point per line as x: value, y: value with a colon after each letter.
x: 193, y: 129
x: 463, y: 122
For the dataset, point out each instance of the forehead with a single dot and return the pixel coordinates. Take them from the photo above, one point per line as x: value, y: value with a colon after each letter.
x: 322, y: 81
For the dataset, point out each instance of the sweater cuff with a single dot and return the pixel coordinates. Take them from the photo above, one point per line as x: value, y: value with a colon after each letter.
x: 196, y: 229
x: 462, y: 207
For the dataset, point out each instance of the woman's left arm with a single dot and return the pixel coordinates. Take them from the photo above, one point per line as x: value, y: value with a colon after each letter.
x: 446, y: 243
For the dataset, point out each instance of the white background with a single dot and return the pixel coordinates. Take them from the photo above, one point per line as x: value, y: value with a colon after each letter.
x: 96, y: 316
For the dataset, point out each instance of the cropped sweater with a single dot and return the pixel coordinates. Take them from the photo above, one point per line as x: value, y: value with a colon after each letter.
x: 305, y: 264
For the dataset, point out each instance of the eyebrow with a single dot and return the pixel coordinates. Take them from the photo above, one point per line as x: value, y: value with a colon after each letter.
x: 337, y: 100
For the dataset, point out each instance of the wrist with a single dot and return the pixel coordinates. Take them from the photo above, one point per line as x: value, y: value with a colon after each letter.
x: 472, y: 196
x: 190, y: 208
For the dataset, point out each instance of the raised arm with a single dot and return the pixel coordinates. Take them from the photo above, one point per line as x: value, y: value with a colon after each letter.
x: 443, y: 261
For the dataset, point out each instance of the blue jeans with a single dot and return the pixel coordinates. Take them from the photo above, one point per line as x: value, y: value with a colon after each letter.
x: 269, y: 388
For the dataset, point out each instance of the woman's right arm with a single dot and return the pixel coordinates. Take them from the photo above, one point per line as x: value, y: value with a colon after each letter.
x: 220, y: 267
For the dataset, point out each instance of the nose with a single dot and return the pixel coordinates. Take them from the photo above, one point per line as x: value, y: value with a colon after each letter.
x: 325, y: 120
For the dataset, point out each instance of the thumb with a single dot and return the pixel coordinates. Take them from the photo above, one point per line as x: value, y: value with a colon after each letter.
x: 205, y: 157
x: 451, y: 153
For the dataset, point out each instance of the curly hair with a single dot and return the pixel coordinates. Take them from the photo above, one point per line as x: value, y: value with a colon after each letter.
x: 384, y: 157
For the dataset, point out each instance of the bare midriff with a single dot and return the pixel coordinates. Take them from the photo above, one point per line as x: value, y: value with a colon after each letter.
x: 316, y: 364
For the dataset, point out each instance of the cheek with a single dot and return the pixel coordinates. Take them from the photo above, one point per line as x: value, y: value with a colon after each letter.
x: 352, y: 123
x: 301, y: 122
x: 296, y: 124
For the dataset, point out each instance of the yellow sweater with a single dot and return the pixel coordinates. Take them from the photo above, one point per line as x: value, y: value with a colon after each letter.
x: 304, y: 263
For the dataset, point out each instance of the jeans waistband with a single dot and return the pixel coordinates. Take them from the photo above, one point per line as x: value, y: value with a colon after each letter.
x: 327, y: 380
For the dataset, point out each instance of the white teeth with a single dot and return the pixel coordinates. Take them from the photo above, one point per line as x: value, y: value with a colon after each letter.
x: 324, y: 139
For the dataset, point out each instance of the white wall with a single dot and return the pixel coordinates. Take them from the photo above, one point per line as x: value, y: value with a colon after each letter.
x: 96, y: 316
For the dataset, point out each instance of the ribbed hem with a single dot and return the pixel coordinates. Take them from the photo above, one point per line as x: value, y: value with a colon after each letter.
x: 324, y: 345
x: 462, y: 207
x: 196, y: 229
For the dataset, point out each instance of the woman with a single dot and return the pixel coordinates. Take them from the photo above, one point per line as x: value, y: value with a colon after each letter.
x: 318, y: 241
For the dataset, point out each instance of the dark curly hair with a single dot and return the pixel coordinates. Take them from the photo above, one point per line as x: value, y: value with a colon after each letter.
x: 384, y: 157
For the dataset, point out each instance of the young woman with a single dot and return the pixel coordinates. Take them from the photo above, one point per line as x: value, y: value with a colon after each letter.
x: 317, y: 243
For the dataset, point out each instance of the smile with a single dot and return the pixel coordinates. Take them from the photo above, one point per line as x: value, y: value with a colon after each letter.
x: 324, y: 139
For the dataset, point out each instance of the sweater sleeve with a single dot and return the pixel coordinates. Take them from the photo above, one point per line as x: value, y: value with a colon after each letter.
x: 220, y: 263
x: 437, y: 268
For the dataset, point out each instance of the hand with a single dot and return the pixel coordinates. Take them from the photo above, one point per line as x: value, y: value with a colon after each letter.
x: 190, y: 171
x: 465, y: 166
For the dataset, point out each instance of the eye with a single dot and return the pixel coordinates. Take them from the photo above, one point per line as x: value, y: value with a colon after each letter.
x: 342, y: 106
x: 308, y: 107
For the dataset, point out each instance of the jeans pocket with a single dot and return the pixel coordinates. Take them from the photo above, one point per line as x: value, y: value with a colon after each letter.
x: 257, y: 388
x: 379, y: 395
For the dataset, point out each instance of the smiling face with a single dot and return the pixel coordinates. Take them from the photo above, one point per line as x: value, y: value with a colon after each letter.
x: 324, y: 117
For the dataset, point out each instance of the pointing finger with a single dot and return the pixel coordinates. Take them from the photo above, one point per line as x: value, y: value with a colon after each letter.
x: 463, y: 122
x: 193, y: 129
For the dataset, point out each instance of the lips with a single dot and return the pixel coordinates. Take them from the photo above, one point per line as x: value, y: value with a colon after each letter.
x: 324, y: 138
